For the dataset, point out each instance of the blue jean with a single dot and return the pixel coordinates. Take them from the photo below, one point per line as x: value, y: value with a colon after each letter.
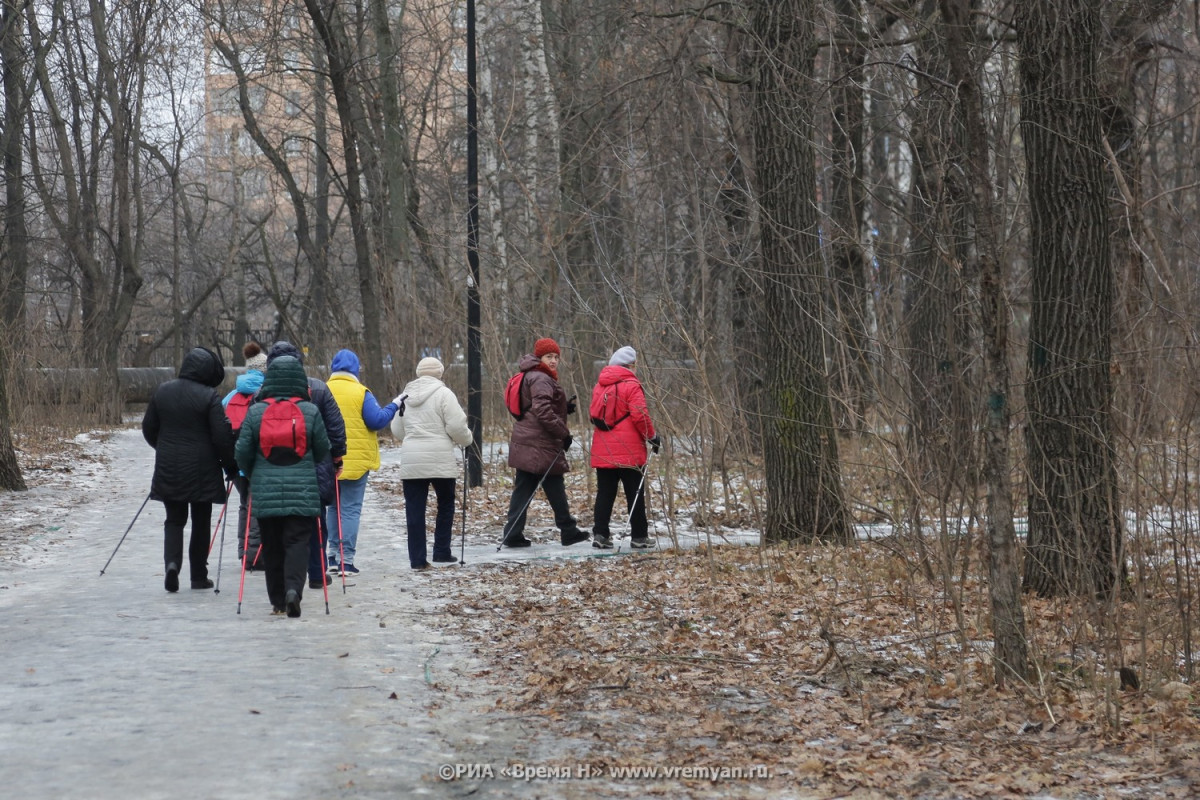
x: 416, y: 493
x: 343, y: 538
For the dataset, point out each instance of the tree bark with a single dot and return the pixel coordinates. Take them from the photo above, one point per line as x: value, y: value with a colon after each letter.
x: 1075, y: 543
x: 803, y: 474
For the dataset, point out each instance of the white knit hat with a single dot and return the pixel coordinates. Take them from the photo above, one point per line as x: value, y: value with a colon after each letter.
x: 430, y: 367
x: 258, y: 362
x: 623, y: 357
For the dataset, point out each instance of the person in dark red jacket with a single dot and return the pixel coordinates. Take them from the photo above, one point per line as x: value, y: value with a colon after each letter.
x: 193, y: 441
x: 538, y: 447
x: 619, y: 453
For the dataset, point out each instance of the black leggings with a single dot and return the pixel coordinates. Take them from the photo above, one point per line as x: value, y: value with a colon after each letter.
x: 607, y: 481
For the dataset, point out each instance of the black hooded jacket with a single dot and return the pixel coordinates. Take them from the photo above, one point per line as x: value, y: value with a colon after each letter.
x: 190, y: 434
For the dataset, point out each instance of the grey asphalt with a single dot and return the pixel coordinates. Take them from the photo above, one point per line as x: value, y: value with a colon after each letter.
x: 114, y: 688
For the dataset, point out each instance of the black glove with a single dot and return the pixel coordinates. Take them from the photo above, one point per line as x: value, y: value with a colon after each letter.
x: 655, y: 443
x: 567, y: 442
x: 571, y: 405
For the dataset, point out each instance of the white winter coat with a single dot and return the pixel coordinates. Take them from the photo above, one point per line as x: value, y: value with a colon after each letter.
x: 433, y: 425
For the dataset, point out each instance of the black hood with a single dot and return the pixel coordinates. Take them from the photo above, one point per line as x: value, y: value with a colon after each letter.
x: 203, y: 366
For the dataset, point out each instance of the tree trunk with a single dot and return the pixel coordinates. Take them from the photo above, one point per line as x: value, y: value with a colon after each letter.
x: 803, y: 475
x: 848, y: 264
x: 14, y: 249
x: 936, y: 319
x: 1075, y: 530
x: 1010, y: 657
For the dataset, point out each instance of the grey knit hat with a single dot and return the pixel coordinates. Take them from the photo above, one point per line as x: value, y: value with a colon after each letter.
x: 623, y: 357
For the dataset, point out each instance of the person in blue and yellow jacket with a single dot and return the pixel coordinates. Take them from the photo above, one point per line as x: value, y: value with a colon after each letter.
x: 363, y: 417
x: 284, y: 495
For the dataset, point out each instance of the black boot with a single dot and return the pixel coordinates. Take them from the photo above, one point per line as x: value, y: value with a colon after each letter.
x: 293, y: 603
x: 172, y: 582
x: 574, y: 536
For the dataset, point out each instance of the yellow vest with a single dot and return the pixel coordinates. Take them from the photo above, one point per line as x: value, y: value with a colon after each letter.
x: 362, y: 445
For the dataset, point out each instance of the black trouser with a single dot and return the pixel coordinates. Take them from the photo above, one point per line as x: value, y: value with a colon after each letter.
x: 416, y: 495
x: 607, y: 480
x: 316, y: 548
x: 524, y: 485
x: 243, y: 488
x: 285, y: 551
x: 177, y: 517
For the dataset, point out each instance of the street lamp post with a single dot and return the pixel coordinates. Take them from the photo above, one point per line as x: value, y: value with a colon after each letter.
x: 474, y: 359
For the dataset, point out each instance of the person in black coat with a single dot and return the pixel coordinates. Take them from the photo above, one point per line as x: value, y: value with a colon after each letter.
x: 193, y: 442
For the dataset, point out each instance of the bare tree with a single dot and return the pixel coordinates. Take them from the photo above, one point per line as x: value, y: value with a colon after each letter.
x: 1011, y: 653
x: 936, y: 313
x: 1075, y: 527
x: 90, y: 81
x: 803, y: 474
x: 847, y: 205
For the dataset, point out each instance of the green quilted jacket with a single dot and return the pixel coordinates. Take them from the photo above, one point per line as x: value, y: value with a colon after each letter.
x: 277, y: 491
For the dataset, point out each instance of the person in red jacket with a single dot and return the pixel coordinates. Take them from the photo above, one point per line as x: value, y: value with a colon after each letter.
x: 623, y: 429
x: 538, y: 447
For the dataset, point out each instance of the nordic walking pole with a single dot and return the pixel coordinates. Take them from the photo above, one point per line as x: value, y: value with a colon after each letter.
x: 221, y: 516
x: 462, y: 550
x: 245, y: 551
x: 221, y: 551
x: 337, y: 496
x: 123, y: 535
x: 321, y: 542
x: 638, y: 495
x: 524, y: 508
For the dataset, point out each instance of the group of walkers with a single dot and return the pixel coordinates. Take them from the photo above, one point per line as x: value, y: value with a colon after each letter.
x: 541, y: 439
x: 299, y: 451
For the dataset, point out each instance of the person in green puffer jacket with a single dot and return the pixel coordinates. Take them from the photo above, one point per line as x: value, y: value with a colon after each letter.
x: 284, y: 499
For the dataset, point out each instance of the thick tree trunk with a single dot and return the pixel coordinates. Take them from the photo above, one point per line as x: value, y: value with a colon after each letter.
x: 804, y: 493
x: 1076, y: 535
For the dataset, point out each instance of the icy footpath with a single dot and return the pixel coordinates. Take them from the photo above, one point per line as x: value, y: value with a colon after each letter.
x: 114, y: 688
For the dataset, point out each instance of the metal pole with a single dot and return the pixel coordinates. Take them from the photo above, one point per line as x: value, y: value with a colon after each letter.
x: 474, y: 358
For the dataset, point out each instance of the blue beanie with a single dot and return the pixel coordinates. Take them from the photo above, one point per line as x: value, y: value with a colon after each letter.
x: 345, y: 361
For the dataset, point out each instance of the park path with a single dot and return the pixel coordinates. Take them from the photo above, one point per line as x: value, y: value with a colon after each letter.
x: 113, y: 688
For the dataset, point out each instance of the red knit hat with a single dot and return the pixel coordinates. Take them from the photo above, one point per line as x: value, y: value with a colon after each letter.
x: 543, y: 346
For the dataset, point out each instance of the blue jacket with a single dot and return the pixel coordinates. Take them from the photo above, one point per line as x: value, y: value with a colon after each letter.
x: 247, y: 383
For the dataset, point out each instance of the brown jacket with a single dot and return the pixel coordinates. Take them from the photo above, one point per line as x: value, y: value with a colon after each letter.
x: 537, y: 437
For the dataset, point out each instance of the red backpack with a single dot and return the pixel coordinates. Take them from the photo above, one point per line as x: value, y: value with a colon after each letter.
x: 283, y: 436
x: 236, y: 409
x: 603, y: 410
x: 512, y: 395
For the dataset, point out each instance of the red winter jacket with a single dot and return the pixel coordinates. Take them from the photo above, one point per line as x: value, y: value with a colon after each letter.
x: 537, y: 437
x: 625, y: 444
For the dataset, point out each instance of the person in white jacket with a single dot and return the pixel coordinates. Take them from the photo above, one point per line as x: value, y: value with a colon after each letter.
x: 433, y: 425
